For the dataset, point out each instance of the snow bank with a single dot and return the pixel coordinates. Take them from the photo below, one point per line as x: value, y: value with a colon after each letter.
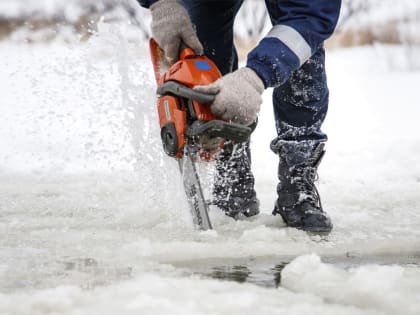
x: 71, y: 10
x: 388, y: 289
x: 381, y: 11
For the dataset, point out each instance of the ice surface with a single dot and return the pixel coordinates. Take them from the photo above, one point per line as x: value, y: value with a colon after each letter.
x: 93, y: 218
x: 364, y: 287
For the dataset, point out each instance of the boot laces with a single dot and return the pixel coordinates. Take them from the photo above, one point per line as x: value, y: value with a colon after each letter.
x: 304, y: 177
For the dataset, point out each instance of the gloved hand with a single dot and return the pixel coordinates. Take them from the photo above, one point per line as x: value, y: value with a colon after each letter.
x: 170, y: 25
x: 238, y: 96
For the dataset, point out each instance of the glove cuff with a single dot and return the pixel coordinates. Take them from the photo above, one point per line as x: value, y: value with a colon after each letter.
x: 161, y: 8
x: 162, y: 2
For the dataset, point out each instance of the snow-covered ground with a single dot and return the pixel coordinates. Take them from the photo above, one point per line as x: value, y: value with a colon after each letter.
x: 93, y: 218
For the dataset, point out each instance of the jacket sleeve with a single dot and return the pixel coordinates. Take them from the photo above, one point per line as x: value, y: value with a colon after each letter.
x: 300, y: 28
x: 146, y: 3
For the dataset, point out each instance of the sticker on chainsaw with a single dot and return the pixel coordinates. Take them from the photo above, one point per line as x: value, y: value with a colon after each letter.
x: 202, y: 65
x: 167, y: 112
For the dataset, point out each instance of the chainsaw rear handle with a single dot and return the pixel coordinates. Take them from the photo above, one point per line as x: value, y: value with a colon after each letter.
x: 178, y: 89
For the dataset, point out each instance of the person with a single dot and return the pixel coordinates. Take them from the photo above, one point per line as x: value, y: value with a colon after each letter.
x: 291, y: 59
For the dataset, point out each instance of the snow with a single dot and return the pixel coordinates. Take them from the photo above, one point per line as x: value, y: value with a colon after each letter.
x: 18, y: 8
x: 364, y: 287
x: 70, y: 10
x: 93, y: 219
x: 152, y: 294
x: 386, y: 10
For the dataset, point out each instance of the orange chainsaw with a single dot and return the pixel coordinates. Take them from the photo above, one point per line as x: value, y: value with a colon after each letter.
x: 189, y: 130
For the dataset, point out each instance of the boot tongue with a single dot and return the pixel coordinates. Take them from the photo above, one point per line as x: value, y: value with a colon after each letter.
x: 299, y: 152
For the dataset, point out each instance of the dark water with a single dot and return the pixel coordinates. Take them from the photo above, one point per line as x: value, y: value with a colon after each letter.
x: 266, y: 272
x: 266, y: 276
x: 90, y: 272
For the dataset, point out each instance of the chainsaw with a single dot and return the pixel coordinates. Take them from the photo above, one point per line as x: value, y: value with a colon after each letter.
x: 190, y: 132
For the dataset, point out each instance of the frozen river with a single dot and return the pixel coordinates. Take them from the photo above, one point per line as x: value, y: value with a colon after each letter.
x: 93, y: 219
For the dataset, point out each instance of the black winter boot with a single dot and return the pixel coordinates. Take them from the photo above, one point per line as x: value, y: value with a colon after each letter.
x: 298, y: 200
x: 233, y: 190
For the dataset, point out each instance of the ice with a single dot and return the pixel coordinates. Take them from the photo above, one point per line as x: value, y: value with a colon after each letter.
x: 93, y: 219
x: 364, y: 287
x: 309, y: 287
x: 154, y: 294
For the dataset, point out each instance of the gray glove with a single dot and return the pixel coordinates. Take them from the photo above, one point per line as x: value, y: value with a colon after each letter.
x: 238, y: 96
x: 170, y: 25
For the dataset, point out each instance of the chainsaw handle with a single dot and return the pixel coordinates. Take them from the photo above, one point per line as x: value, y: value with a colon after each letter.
x: 183, y: 91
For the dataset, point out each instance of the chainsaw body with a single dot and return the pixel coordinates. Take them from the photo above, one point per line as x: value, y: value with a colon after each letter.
x: 184, y: 114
